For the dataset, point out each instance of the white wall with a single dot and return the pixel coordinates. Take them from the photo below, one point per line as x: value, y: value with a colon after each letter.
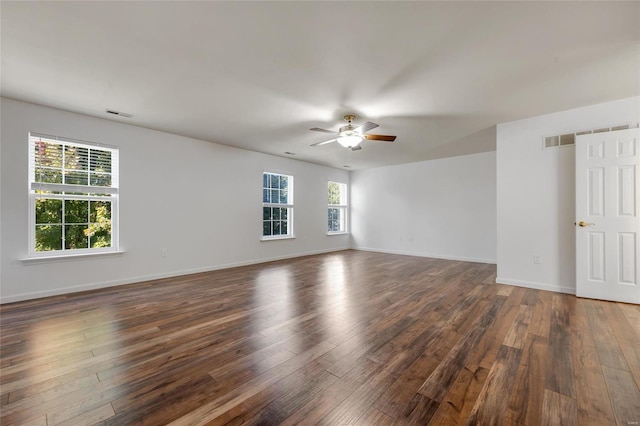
x: 441, y: 208
x: 201, y: 201
x: 536, y: 194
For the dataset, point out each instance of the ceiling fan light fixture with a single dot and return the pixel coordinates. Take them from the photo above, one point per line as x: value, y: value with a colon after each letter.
x: 349, y: 141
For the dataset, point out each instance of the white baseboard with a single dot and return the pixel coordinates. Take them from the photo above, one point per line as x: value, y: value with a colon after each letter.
x: 537, y: 286
x: 131, y: 280
x: 434, y: 256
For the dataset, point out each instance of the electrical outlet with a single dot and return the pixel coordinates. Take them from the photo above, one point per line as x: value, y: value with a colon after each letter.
x: 536, y: 259
x: 164, y: 252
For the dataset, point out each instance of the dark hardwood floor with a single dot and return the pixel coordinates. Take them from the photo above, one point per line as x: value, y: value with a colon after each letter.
x: 337, y: 339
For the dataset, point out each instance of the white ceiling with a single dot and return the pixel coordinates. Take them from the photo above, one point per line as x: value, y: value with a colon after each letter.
x: 439, y: 75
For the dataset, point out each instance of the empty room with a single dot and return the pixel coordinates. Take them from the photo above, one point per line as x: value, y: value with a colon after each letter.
x: 312, y: 212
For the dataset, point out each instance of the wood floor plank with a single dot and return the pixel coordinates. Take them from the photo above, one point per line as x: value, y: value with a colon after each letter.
x: 329, y: 399
x: 624, y: 394
x: 459, y: 401
x: 518, y: 331
x: 491, y: 405
x: 349, y: 337
x: 359, y: 402
x: 607, y: 346
x: 540, y: 321
x: 558, y: 409
x: 85, y: 417
x: 525, y: 402
x: 284, y: 398
x: 560, y: 378
x: 592, y: 398
x: 375, y: 417
x: 443, y: 377
x: 632, y: 313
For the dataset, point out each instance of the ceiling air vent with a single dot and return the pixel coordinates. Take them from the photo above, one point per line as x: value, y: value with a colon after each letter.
x: 570, y: 138
x: 121, y: 114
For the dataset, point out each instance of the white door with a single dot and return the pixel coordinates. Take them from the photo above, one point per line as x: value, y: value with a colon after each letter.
x: 607, y: 222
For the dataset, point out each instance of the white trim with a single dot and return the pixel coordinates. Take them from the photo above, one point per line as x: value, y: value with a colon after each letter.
x: 277, y: 237
x: 73, y: 255
x: 338, y: 233
x: 432, y: 255
x: 133, y: 280
x: 537, y: 286
x: 63, y: 187
x: 275, y: 205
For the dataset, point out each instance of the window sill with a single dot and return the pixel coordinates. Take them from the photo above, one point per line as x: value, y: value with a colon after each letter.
x: 283, y: 237
x: 68, y: 257
x: 337, y: 233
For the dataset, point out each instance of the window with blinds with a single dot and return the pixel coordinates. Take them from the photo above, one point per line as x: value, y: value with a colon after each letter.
x: 73, y: 191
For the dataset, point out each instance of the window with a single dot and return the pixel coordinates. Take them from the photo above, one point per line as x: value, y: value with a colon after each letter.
x: 73, y: 195
x: 277, y: 206
x: 337, y: 194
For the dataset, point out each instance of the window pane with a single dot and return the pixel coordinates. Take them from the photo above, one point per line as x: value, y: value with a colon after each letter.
x: 76, y: 158
x: 48, y: 237
x: 330, y: 221
x: 48, y: 154
x: 266, y: 213
x: 100, y: 179
x: 284, y: 196
x: 334, y: 193
x: 334, y: 221
x: 75, y: 237
x: 284, y: 182
x: 100, y: 211
x: 48, y: 175
x: 266, y: 196
x: 48, y: 211
x: 276, y: 214
x: 99, y: 230
x: 284, y: 213
x: 100, y: 239
x: 276, y: 228
x: 76, y: 211
x: 100, y: 161
x: 76, y: 178
x: 275, y: 181
x: 284, y: 226
x: 275, y: 196
x: 266, y: 227
x: 265, y: 180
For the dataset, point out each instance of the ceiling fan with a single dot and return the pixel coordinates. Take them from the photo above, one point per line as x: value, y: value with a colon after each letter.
x: 350, y: 136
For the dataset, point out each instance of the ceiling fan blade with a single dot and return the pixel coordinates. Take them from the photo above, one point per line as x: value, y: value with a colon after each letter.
x: 366, y: 127
x: 322, y: 143
x: 384, y: 138
x: 317, y: 129
x: 356, y: 148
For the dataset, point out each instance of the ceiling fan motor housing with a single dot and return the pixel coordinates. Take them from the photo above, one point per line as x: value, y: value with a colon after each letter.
x: 347, y: 128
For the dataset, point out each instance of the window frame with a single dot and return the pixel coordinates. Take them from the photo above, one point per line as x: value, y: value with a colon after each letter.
x: 110, y: 194
x: 289, y: 205
x: 343, y: 207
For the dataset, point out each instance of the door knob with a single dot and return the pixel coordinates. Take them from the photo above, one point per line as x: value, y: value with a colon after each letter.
x: 583, y: 224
